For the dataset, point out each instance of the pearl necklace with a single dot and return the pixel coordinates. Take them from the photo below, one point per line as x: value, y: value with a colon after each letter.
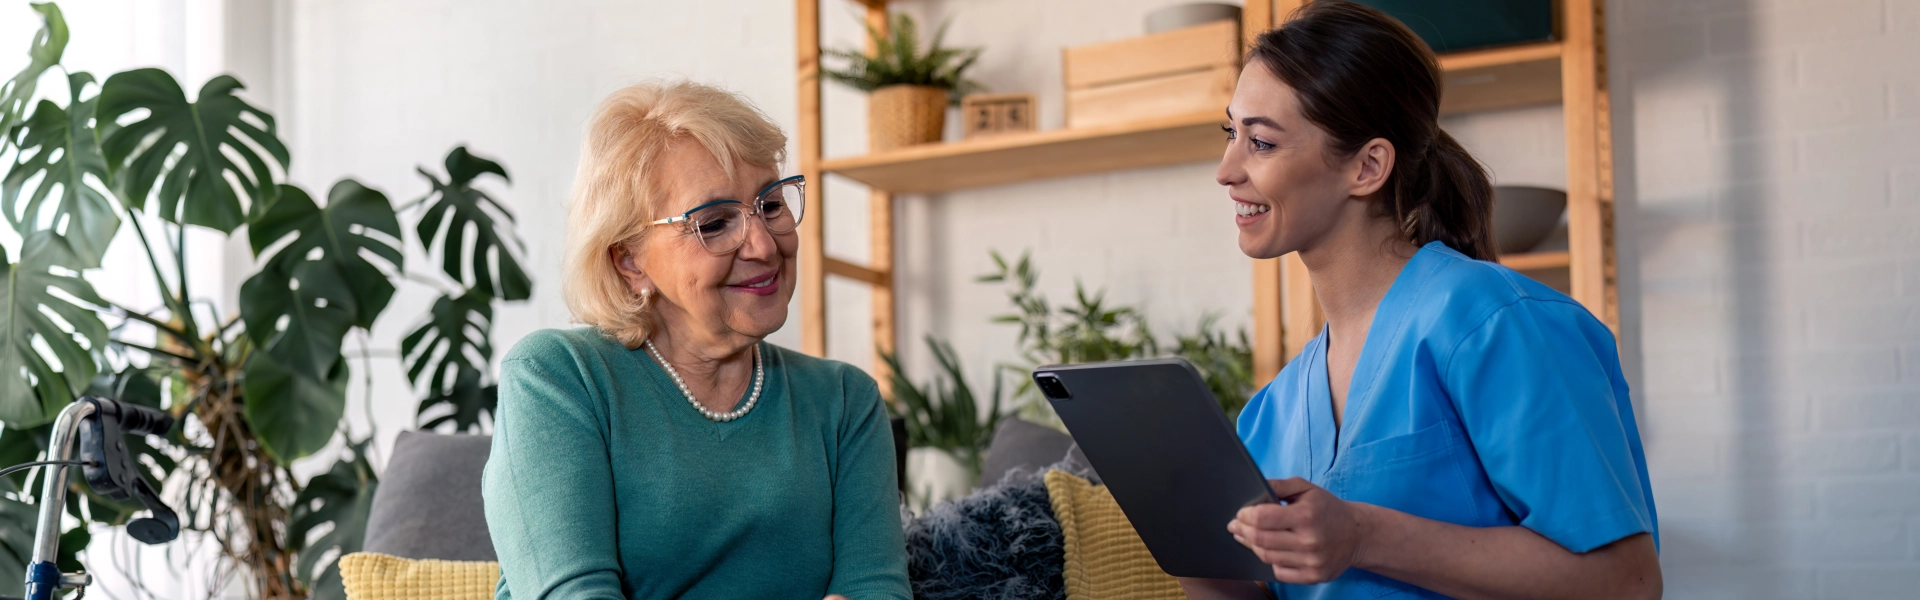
x: 759, y: 377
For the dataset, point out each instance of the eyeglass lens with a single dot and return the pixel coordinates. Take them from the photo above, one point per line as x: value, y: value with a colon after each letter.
x: 723, y: 227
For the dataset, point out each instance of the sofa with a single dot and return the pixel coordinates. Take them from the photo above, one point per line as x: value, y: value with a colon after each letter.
x: 427, y: 532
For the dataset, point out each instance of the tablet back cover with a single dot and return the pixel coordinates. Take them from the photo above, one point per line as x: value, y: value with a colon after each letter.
x: 1171, y: 458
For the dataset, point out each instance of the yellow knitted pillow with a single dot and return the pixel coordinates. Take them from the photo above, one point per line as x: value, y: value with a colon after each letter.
x: 1105, y: 558
x: 371, y: 576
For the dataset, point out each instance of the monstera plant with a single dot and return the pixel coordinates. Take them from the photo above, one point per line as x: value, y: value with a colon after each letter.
x: 255, y: 391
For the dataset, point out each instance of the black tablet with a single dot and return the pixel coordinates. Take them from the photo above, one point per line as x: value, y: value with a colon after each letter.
x: 1161, y: 444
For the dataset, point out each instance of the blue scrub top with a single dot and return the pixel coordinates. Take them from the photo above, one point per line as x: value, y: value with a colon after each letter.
x: 1481, y: 398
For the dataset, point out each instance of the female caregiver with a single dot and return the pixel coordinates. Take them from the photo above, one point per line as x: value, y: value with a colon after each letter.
x: 665, y: 450
x: 1457, y: 430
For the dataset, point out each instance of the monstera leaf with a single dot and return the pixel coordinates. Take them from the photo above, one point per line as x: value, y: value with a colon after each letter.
x: 342, y: 496
x: 454, y: 205
x: 60, y: 159
x: 321, y: 281
x: 186, y: 150
x: 16, y: 541
x: 316, y: 287
x: 293, y: 413
x: 454, y: 342
x: 34, y: 312
x: 48, y: 44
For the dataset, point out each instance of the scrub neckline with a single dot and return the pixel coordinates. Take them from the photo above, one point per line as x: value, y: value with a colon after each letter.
x: 1392, y: 314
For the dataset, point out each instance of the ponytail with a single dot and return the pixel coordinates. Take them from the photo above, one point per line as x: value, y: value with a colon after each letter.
x: 1361, y: 75
x: 1445, y: 196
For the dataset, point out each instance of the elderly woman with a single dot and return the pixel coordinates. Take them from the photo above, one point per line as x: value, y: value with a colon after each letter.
x: 665, y: 450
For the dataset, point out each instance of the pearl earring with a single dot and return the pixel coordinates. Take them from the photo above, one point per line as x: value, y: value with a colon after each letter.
x: 645, y: 295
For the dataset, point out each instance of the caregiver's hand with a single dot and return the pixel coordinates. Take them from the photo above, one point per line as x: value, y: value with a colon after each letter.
x: 834, y: 597
x: 1312, y: 538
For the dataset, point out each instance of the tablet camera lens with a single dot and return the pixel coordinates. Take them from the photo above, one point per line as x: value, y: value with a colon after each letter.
x: 1051, y: 386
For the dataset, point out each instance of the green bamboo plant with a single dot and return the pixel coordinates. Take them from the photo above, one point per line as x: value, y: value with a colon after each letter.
x: 254, y: 391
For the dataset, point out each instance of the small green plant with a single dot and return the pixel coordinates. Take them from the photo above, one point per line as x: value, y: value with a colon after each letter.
x: 897, y: 60
x: 1092, y: 330
x: 945, y: 413
x: 1225, y: 362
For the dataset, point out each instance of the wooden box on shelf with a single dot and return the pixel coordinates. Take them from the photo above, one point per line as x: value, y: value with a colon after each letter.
x: 1177, y: 72
x: 994, y: 114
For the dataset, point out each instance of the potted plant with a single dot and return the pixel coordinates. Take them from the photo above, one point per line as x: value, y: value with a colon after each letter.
x: 947, y: 431
x: 252, y: 392
x: 909, y: 89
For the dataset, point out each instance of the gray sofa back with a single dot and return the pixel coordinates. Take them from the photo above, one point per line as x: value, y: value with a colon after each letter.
x: 428, y: 504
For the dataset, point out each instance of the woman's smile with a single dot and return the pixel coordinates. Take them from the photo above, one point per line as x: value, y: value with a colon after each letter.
x: 763, y: 285
x: 1246, y: 213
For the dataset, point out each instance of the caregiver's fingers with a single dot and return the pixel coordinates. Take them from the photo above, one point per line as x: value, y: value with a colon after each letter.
x: 1299, y: 540
x: 1298, y: 567
x: 1274, y: 516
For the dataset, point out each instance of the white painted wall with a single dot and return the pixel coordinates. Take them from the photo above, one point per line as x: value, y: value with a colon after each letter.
x: 1768, y: 177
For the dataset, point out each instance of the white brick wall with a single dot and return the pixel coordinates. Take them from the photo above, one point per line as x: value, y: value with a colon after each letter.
x: 1770, y: 230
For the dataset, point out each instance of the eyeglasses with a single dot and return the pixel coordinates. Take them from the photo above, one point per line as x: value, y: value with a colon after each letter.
x: 721, y: 225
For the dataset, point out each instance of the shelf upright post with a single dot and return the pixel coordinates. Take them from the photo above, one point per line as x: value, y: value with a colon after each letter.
x: 1589, y: 160
x: 1269, y: 349
x: 880, y: 214
x: 813, y: 259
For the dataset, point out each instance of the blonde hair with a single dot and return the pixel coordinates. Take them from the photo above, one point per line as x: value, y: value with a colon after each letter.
x: 619, y: 190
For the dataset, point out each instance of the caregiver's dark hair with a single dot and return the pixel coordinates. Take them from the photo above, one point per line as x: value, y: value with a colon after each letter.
x: 1359, y: 74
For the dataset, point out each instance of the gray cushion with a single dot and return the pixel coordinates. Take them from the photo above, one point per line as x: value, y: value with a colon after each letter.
x: 1021, y: 444
x: 428, y: 503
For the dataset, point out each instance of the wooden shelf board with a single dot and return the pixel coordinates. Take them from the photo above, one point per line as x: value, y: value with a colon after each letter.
x: 1039, y: 155
x: 1503, y: 77
x: 1476, y: 80
x: 1537, y: 261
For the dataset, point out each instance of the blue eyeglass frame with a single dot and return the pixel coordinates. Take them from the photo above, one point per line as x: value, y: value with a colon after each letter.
x: 758, y: 198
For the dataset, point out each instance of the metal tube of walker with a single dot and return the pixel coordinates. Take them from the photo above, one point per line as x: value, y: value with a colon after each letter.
x: 42, y: 576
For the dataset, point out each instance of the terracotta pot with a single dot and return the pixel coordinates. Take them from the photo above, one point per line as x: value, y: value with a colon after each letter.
x: 905, y: 115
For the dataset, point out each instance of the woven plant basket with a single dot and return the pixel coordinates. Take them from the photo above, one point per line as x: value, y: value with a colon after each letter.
x: 905, y: 115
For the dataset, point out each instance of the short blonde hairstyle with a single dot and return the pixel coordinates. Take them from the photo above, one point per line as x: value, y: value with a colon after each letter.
x: 619, y: 190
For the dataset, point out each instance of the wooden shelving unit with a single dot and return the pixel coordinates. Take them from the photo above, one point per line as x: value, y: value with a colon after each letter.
x: 1570, y: 71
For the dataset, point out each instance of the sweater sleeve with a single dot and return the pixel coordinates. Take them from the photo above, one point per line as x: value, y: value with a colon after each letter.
x: 869, y: 548
x: 548, y: 485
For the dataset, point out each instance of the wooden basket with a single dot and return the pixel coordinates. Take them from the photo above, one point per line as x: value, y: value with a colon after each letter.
x: 905, y: 115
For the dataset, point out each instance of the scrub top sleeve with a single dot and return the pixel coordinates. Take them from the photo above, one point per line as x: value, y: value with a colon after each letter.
x: 1535, y: 388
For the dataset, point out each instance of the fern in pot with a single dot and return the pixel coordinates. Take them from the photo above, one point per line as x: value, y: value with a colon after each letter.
x: 909, y: 89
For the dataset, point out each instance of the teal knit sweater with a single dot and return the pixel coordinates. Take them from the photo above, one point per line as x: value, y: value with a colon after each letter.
x: 605, y: 483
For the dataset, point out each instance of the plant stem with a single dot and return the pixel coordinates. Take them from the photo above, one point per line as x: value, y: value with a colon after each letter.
x: 184, y: 359
x: 180, y: 271
x: 175, y: 304
x: 160, y: 325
